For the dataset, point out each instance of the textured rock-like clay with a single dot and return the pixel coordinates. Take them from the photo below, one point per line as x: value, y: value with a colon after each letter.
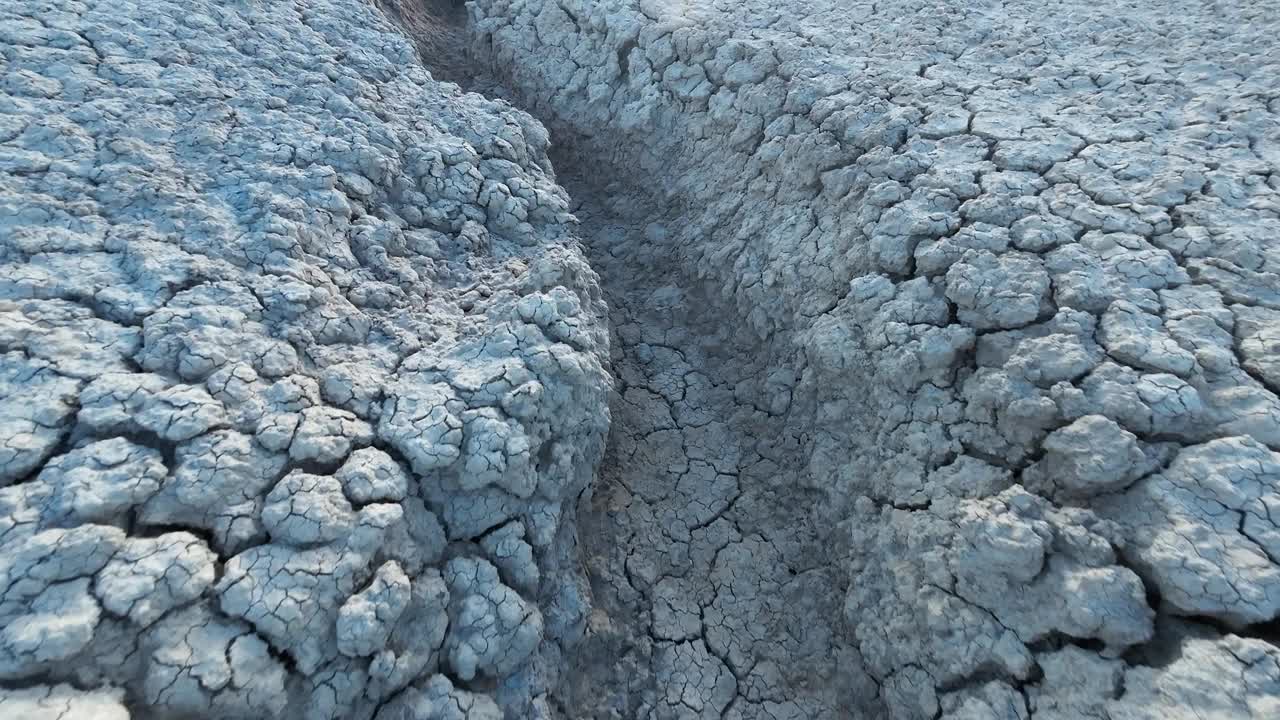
x: 929, y: 373
x: 244, y: 250
x: 956, y: 314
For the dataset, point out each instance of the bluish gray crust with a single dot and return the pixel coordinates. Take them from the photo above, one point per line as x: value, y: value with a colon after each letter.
x: 287, y: 327
x: 943, y: 343
x: 961, y: 312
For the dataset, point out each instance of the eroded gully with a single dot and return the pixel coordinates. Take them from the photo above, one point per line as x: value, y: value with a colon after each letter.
x: 709, y: 559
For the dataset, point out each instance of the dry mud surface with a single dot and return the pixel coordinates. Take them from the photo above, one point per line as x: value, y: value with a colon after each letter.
x: 902, y: 360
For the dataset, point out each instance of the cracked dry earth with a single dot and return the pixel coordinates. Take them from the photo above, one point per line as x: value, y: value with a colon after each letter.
x: 904, y: 360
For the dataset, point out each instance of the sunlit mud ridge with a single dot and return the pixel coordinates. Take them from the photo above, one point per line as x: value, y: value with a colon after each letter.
x: 302, y: 373
x: 903, y: 360
x: 992, y: 293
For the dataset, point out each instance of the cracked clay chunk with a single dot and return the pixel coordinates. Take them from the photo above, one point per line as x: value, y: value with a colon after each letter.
x: 1202, y: 531
x: 997, y: 291
x: 492, y: 628
x: 1091, y: 456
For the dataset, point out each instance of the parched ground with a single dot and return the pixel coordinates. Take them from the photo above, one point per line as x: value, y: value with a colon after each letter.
x: 941, y: 336
x: 300, y: 373
x: 944, y: 344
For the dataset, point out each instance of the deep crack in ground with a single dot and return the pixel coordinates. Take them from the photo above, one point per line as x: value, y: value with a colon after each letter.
x: 706, y: 554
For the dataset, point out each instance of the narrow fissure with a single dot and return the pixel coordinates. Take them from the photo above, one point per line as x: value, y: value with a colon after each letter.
x: 700, y: 488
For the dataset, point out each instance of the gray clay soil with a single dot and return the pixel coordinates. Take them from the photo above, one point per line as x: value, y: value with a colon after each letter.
x: 661, y: 359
